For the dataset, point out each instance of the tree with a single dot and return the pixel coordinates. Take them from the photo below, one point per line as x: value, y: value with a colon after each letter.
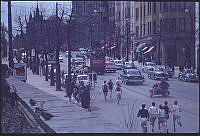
x: 4, y: 42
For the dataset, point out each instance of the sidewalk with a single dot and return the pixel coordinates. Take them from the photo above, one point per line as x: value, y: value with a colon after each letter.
x: 68, y: 116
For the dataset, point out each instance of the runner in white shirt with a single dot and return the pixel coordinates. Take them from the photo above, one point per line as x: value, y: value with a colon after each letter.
x: 176, y: 114
x: 118, y: 82
x: 153, y: 113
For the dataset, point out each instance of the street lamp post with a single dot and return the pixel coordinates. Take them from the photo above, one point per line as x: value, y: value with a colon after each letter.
x: 11, y: 62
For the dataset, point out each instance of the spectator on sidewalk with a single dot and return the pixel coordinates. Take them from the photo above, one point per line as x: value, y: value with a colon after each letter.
x: 85, y: 98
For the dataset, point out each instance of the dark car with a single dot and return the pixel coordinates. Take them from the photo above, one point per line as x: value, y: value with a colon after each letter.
x: 168, y: 70
x: 132, y: 76
x: 188, y: 75
x: 157, y: 73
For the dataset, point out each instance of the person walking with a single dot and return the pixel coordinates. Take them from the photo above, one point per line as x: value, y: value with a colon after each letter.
x: 110, y: 87
x: 105, y: 89
x: 85, y: 98
x: 118, y: 82
x: 176, y: 114
x: 153, y: 113
x: 161, y: 117
x: 144, y: 115
x: 94, y: 78
x: 90, y: 78
x: 167, y: 111
x: 119, y: 93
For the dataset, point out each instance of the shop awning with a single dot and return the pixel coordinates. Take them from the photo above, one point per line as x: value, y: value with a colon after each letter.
x: 145, y: 48
x: 150, y: 49
x: 140, y: 47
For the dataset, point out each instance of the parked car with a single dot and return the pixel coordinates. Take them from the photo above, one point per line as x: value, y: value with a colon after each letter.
x: 60, y: 58
x: 188, y: 75
x: 157, y: 73
x: 167, y: 68
x: 84, y: 78
x: 119, y: 64
x: 129, y: 65
x: 66, y: 53
x: 147, y: 66
x: 110, y: 67
x: 132, y: 76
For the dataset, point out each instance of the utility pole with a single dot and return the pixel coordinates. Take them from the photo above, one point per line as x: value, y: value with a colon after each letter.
x: 10, y: 58
x: 58, y: 82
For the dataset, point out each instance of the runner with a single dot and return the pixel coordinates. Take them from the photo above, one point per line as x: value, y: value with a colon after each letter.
x: 144, y: 114
x: 119, y: 93
x: 118, y: 82
x: 161, y: 117
x: 167, y: 111
x: 105, y: 89
x: 110, y: 87
x: 153, y: 112
x: 176, y: 114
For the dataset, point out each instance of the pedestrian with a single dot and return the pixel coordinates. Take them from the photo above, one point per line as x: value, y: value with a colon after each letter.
x: 110, y: 87
x: 85, y: 98
x: 176, y: 114
x: 94, y: 78
x: 144, y: 115
x: 118, y: 82
x: 119, y: 93
x: 90, y: 78
x: 167, y: 111
x: 161, y: 116
x: 105, y: 89
x: 153, y: 113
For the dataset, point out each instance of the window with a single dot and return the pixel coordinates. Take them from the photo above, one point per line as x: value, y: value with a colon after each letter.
x: 149, y: 27
x: 137, y: 13
x: 173, y: 25
x: 173, y: 6
x: 181, y: 24
x: 132, y: 11
x: 144, y: 11
x: 119, y: 16
x: 128, y: 12
x: 165, y: 25
x: 165, y: 6
x: 144, y: 27
x: 154, y: 8
x: 140, y: 30
x: 161, y: 4
x: 161, y: 25
x: 137, y: 31
x: 182, y: 6
x: 149, y: 8
x: 140, y: 12
x: 154, y: 27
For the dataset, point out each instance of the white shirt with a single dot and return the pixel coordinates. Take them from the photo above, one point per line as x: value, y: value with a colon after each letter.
x: 175, y: 109
x: 161, y: 112
x: 153, y: 110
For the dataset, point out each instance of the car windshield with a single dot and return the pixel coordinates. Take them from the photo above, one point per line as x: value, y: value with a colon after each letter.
x: 128, y: 65
x: 82, y: 78
x: 150, y: 64
x: 189, y: 71
x: 133, y: 72
x: 119, y: 62
x: 110, y: 64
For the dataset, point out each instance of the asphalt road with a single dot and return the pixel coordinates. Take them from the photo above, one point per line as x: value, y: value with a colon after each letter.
x: 186, y: 93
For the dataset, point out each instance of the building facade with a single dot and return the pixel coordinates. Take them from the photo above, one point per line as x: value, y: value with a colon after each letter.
x: 167, y: 29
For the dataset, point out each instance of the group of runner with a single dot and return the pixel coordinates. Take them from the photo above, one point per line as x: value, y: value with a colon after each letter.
x: 162, y: 113
x: 108, y: 87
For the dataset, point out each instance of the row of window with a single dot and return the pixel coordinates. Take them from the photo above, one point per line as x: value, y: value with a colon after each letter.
x: 166, y: 25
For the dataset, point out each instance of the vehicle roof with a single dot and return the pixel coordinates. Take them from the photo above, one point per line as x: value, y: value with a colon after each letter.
x: 81, y: 75
x: 132, y: 69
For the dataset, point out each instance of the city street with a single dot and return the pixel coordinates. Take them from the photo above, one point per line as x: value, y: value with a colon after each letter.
x: 186, y: 93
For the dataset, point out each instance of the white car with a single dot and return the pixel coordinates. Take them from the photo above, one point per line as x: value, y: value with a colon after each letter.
x: 84, y: 78
x: 119, y: 64
x: 147, y: 66
x: 60, y: 58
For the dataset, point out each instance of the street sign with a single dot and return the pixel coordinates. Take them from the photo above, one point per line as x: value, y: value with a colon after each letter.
x: 20, y: 71
x: 33, y: 52
x: 51, y: 58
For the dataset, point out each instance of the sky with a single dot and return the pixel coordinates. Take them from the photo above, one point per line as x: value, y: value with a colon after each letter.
x: 22, y: 8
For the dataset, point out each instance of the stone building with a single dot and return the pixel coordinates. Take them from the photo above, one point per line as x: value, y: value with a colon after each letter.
x: 166, y: 30
x: 92, y: 23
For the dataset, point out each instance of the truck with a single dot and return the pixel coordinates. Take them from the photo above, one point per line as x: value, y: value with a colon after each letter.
x: 96, y: 62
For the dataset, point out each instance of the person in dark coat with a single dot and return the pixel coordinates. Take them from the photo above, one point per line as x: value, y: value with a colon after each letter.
x: 85, y: 98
